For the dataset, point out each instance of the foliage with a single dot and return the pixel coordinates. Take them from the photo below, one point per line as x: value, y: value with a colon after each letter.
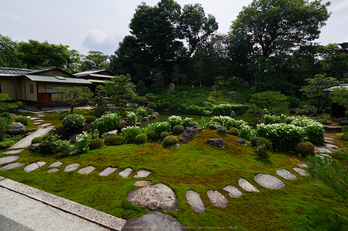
x: 107, y: 122
x: 82, y: 142
x: 344, y: 136
x: 6, y: 144
x: 95, y: 60
x: 233, y: 131
x: 246, y: 132
x: 141, y: 139
x: 142, y: 112
x: 192, y: 109
x: 151, y: 105
x: 222, y: 130
x: 5, y: 125
x: 174, y: 120
x: 159, y: 127
x: 169, y: 141
x: 51, y: 144
x: 119, y: 87
x: 38, y: 139
x: 178, y: 129
x: 227, y: 122
x: 6, y: 115
x: 261, y: 145
x: 164, y: 135
x: 9, y: 56
x: 341, y: 153
x: 23, y: 120
x: 315, y: 89
x: 340, y: 96
x: 151, y: 135
x: 90, y: 119
x: 275, y: 102
x: 114, y: 140
x: 187, y: 122
x: 96, y: 143
x: 331, y: 172
x: 73, y: 121
x: 132, y: 118
x: 305, y: 148
x: 226, y: 109
x: 130, y: 133
x: 6, y: 105
x: 74, y: 95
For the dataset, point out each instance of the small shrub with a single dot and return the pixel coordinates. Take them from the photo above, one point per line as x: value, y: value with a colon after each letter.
x: 344, y: 136
x: 6, y: 115
x: 6, y: 144
x: 344, y: 129
x: 174, y: 120
x: 226, y: 109
x: 159, y: 127
x: 164, y: 135
x: 51, y: 144
x: 5, y: 125
x: 305, y: 148
x: 261, y: 143
x: 151, y: 135
x: 114, y: 140
x: 99, y: 112
x: 83, y: 141
x: 141, y: 139
x: 73, y: 121
x: 222, y: 130
x: 36, y: 140
x: 152, y: 105
x: 142, y: 112
x: 178, y: 129
x: 107, y: 123
x: 132, y: 118
x: 130, y: 133
x: 227, y: 122
x: 187, y: 122
x: 234, y: 131
x: 22, y: 120
x: 90, y: 119
x: 96, y: 143
x: 169, y: 141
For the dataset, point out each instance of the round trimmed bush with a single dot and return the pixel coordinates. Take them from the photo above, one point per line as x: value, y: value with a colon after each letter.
x: 234, y: 131
x: 305, y: 148
x: 141, y: 139
x: 114, y: 140
x: 178, y: 129
x: 90, y: 119
x: 169, y: 141
x: 152, y: 105
x: 73, y: 121
x: 151, y: 135
x: 164, y: 135
x: 222, y: 130
x: 96, y: 143
x: 22, y: 120
x: 37, y: 140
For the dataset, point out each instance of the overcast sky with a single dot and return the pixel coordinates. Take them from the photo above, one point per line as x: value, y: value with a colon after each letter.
x: 101, y: 24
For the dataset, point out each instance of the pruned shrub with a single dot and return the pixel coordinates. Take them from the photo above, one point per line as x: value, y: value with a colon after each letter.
x: 36, y: 140
x: 187, y: 122
x: 222, y: 130
x: 82, y: 142
x: 169, y: 141
x: 141, y: 139
x: 152, y: 105
x: 142, y: 112
x: 178, y: 129
x: 174, y: 120
x: 262, y: 143
x: 107, y: 123
x: 6, y: 144
x: 151, y: 135
x: 22, y: 120
x: 233, y: 131
x: 5, y: 125
x: 6, y: 115
x: 73, y: 121
x: 96, y: 143
x: 305, y: 148
x: 51, y: 144
x: 130, y: 133
x: 227, y: 122
x: 90, y: 119
x: 114, y: 140
x: 226, y: 109
x: 164, y: 135
x: 159, y: 127
x: 132, y: 118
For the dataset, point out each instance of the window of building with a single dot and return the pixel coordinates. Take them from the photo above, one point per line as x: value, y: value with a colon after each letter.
x: 51, y: 88
x: 31, y: 86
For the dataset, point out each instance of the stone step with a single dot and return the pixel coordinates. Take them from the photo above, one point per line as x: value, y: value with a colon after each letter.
x: 195, y: 201
x: 107, y: 171
x: 268, y: 181
x: 142, y: 183
x: 55, y: 164
x: 34, y: 166
x: 301, y: 172
x: 71, y: 167
x: 11, y: 152
x: 125, y: 173
x: 53, y: 170
x: 245, y: 185
x: 286, y: 174
x: 8, y: 159
x: 217, y: 198
x: 232, y: 191
x: 86, y: 170
x: 11, y: 166
x: 142, y: 173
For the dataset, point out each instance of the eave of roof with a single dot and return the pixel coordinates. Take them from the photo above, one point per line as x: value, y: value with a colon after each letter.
x: 56, y: 79
x: 335, y: 87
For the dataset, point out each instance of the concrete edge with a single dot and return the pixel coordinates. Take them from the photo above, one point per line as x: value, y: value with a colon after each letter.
x: 63, y: 204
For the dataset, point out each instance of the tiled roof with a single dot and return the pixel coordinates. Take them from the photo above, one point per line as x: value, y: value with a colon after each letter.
x: 14, y: 71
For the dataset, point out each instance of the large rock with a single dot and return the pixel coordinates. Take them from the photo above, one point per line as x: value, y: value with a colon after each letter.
x: 241, y: 141
x: 17, y: 128
x: 154, y: 221
x: 188, y: 135
x: 214, y: 126
x: 154, y: 197
x: 217, y: 142
x: 172, y: 87
x: 233, y: 114
x: 111, y: 133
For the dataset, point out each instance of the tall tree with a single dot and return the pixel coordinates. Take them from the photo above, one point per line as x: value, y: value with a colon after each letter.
x: 9, y: 56
x: 119, y: 87
x: 95, y: 60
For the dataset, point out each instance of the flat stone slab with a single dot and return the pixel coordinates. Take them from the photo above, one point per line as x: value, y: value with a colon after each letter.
x: 322, y: 150
x: 55, y: 164
x: 153, y: 221
x: 325, y: 155
x: 107, y: 171
x: 45, y: 125
x: 71, y: 167
x: 303, y: 165
x: 301, y: 171
x: 195, y: 201
x: 40, y: 116
x: 34, y: 166
x: 8, y: 159
x: 286, y: 174
x: 217, y: 198
x: 13, y: 152
x: 142, y: 173
x: 269, y: 181
x: 53, y: 170
x: 245, y: 185
x: 86, y: 170
x: 232, y: 191
x: 37, y: 123
x: 26, y: 142
x: 11, y: 166
x: 125, y: 173
x: 38, y: 120
x: 154, y: 197
x: 331, y: 146
x: 34, y: 118
x: 142, y: 183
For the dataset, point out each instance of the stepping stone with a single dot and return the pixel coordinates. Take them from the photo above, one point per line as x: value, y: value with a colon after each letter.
x: 322, y: 150
x: 125, y: 173
x: 107, y: 171
x: 142, y: 173
x: 303, y: 165
x: 329, y: 139
x: 55, y: 164
x: 1, y: 178
x: 86, y: 170
x: 40, y: 116
x: 8, y: 159
x: 34, y: 166
x: 154, y: 197
x: 286, y: 174
x: 301, y: 172
x: 53, y: 170
x: 34, y: 118
x: 331, y: 146
x: 142, y: 183
x: 153, y: 221
x: 245, y: 185
x: 233, y: 191
x: 325, y: 155
x: 195, y: 201
x: 39, y: 120
x: 269, y: 181
x: 217, y: 198
x: 71, y: 167
x: 13, y: 152
x: 11, y: 166
x: 37, y: 123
